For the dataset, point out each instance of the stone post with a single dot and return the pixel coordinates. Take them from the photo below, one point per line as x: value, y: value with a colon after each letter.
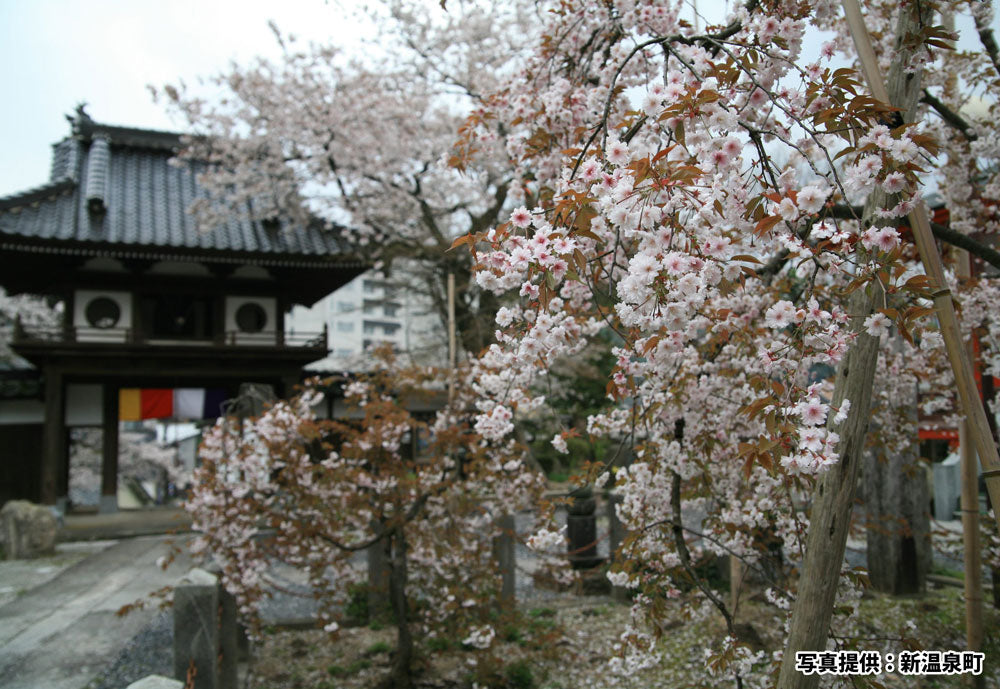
x: 947, y: 488
x: 616, y: 530
x: 503, y: 551
x: 616, y: 535
x: 229, y: 636
x: 205, y: 631
x: 581, y: 528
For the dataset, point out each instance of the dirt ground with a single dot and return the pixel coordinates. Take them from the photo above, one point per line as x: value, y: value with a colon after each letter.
x: 591, y: 625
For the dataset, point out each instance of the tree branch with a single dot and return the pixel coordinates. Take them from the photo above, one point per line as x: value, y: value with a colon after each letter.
x: 949, y: 116
x: 943, y: 233
x: 988, y: 41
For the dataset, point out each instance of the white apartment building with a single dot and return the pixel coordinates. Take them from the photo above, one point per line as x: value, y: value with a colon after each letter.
x: 370, y: 310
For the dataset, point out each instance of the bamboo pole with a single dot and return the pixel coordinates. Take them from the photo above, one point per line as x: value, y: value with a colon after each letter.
x: 735, y: 582
x: 451, y: 338
x: 970, y: 517
x: 833, y: 499
x: 961, y: 365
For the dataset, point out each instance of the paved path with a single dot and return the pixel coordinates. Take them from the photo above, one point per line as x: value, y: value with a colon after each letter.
x: 61, y: 634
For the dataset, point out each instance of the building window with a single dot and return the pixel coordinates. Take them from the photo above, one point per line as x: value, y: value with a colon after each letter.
x: 345, y: 326
x: 380, y: 328
x: 345, y: 306
x: 103, y: 313
x: 390, y: 310
x: 178, y: 316
x: 251, y: 318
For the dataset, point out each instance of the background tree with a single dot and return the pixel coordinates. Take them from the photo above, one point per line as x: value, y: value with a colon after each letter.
x: 314, y: 494
x: 363, y: 141
x: 33, y: 312
x: 140, y: 459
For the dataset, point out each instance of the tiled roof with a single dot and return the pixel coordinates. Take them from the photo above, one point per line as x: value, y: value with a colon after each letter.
x: 115, y: 186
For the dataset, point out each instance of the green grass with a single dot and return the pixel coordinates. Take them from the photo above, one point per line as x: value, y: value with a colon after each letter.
x: 378, y: 647
x: 946, y: 572
x: 541, y: 612
x: 512, y: 634
x: 352, y: 669
x: 438, y: 644
x: 519, y: 675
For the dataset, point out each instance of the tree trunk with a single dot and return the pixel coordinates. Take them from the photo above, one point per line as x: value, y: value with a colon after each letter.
x: 898, y: 525
x: 399, y: 676
x: 834, y: 498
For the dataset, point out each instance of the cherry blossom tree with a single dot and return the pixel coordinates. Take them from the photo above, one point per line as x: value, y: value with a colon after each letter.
x: 656, y: 208
x: 288, y: 488
x: 362, y: 143
x: 32, y: 312
x: 139, y: 458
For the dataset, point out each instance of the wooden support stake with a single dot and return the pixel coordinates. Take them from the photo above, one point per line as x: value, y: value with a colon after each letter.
x: 735, y: 582
x: 833, y: 499
x: 451, y: 338
x: 944, y: 308
x: 970, y: 514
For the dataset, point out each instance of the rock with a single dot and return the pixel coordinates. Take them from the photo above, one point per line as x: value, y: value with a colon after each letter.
x: 198, y: 577
x: 156, y: 682
x: 29, y: 530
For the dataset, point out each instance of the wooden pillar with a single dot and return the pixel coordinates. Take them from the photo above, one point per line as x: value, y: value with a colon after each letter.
x: 69, y: 332
x: 54, y: 439
x: 288, y: 383
x: 109, y: 450
x: 62, y: 487
x: 279, y: 325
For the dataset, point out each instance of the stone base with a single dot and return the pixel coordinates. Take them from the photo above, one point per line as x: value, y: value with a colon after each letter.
x: 29, y: 530
x: 108, y: 504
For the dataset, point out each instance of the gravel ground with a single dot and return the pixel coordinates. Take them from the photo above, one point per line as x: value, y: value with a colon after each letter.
x: 150, y: 652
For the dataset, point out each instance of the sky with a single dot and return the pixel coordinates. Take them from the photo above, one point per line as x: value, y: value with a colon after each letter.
x: 55, y: 54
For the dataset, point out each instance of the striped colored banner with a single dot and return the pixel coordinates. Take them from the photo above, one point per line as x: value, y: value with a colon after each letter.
x: 135, y: 404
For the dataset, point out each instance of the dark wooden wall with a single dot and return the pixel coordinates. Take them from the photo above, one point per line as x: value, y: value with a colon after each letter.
x: 20, y: 458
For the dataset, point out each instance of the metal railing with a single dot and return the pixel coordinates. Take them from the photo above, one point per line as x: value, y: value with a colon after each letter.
x: 62, y: 334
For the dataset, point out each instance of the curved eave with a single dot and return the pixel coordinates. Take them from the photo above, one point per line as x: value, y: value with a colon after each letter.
x: 151, y: 252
